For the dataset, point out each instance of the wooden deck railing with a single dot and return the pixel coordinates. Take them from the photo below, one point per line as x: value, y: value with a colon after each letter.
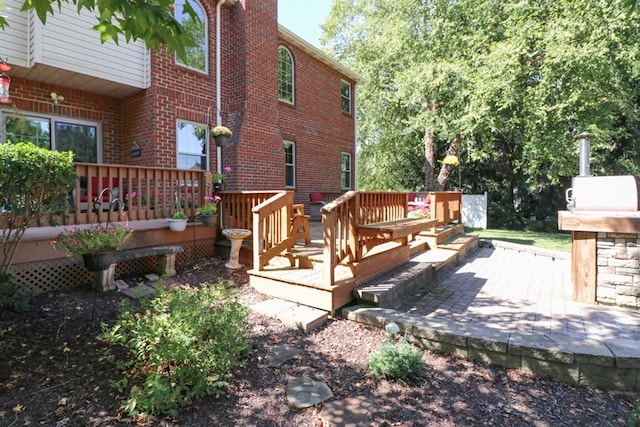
x: 272, y: 228
x: 134, y: 193
x: 446, y: 206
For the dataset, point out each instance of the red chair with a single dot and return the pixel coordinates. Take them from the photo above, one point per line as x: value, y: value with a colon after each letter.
x: 96, y: 189
x: 316, y: 203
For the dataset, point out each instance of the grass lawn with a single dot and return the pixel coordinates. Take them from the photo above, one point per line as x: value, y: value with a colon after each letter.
x: 555, y: 241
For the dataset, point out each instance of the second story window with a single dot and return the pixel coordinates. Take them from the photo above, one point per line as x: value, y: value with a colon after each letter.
x: 289, y: 163
x: 345, y: 96
x: 192, y: 146
x: 285, y: 75
x: 196, y: 56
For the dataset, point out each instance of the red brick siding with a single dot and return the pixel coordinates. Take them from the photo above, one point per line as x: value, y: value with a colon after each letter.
x: 249, y: 42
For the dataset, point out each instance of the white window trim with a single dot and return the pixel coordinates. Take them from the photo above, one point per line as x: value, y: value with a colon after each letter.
x: 349, y: 184
x: 293, y: 76
x: 52, y: 121
x: 208, y: 150
x: 350, y: 97
x: 293, y: 165
x: 206, y: 44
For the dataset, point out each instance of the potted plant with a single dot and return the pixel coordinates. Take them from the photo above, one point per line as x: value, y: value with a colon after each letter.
x: 207, y: 213
x: 178, y: 221
x: 95, y: 244
x: 218, y: 178
x: 222, y: 135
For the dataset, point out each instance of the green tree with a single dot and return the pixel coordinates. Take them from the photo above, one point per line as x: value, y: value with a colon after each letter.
x: 515, y: 82
x: 152, y: 21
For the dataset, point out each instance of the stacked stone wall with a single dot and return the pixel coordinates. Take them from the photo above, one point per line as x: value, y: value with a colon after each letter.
x: 618, y: 274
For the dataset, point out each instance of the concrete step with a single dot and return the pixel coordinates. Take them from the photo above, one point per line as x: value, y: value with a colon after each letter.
x: 298, y: 316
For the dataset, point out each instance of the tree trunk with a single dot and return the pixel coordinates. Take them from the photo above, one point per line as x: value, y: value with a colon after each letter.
x: 445, y: 171
x: 429, y: 166
x: 428, y: 160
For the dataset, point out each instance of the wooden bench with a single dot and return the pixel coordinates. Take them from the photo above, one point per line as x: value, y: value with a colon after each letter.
x: 370, y: 235
x: 165, y: 258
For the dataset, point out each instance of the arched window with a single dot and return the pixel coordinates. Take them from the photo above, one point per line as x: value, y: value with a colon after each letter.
x: 196, y: 56
x: 285, y: 75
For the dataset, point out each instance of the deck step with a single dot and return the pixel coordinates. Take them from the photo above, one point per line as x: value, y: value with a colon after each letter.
x: 389, y: 290
x: 461, y: 243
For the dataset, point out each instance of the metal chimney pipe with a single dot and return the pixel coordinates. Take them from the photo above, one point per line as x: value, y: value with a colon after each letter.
x: 585, y: 148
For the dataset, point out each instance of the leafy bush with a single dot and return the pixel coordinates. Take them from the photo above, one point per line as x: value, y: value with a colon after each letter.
x: 10, y: 295
x: 396, y: 360
x: 633, y: 416
x: 180, y: 345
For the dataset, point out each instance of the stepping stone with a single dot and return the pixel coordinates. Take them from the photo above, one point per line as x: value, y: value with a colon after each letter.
x: 138, y: 291
x: 350, y: 412
x: 280, y: 354
x: 305, y: 392
x: 121, y: 284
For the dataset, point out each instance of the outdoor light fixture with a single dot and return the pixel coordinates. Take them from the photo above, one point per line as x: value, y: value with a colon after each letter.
x: 5, y: 82
x: 57, y: 99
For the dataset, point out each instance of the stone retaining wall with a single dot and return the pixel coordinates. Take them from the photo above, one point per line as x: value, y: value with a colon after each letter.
x: 618, y: 271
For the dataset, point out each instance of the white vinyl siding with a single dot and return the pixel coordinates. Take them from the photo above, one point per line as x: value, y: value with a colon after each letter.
x: 69, y: 42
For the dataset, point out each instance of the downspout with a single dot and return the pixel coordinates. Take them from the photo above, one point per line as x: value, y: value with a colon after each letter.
x: 218, y: 95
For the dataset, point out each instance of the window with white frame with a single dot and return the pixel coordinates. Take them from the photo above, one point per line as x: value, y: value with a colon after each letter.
x: 290, y: 163
x: 196, y: 56
x: 345, y: 170
x: 285, y: 75
x: 55, y: 133
x: 345, y: 96
x: 192, y: 146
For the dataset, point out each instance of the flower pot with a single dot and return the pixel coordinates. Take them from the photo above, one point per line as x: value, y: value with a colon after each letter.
x: 217, y: 186
x: 177, y: 224
x: 209, y: 220
x: 222, y: 140
x: 98, y: 262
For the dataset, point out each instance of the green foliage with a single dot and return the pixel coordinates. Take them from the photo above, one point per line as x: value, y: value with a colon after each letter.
x: 181, y: 345
x: 179, y: 215
x: 517, y: 82
x: 210, y: 207
x: 35, y: 182
x: 91, y: 240
x: 398, y: 360
x: 633, y: 417
x: 10, y: 295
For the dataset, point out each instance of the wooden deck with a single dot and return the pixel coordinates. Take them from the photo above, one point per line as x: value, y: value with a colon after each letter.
x: 298, y: 275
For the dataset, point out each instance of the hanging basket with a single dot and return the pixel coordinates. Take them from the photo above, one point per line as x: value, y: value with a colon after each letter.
x: 98, y: 262
x: 222, y: 140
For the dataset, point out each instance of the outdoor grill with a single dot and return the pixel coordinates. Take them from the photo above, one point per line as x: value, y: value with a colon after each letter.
x: 598, y: 194
x: 603, y: 193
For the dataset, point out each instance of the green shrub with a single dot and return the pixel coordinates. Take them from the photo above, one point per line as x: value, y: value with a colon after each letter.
x: 396, y: 360
x: 633, y: 416
x: 180, y: 345
x: 11, y: 296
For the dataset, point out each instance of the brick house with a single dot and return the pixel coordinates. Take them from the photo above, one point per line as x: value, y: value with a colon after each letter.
x: 135, y: 113
x: 296, y: 131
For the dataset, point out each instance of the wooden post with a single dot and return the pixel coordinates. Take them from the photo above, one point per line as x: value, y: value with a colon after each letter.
x: 584, y: 266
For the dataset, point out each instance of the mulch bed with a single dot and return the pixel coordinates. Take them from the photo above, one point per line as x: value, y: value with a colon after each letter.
x: 53, y: 374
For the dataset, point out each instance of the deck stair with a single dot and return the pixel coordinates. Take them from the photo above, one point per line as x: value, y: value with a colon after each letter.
x: 389, y: 290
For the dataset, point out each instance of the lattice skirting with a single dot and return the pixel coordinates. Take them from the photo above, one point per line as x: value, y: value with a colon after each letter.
x: 69, y: 273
